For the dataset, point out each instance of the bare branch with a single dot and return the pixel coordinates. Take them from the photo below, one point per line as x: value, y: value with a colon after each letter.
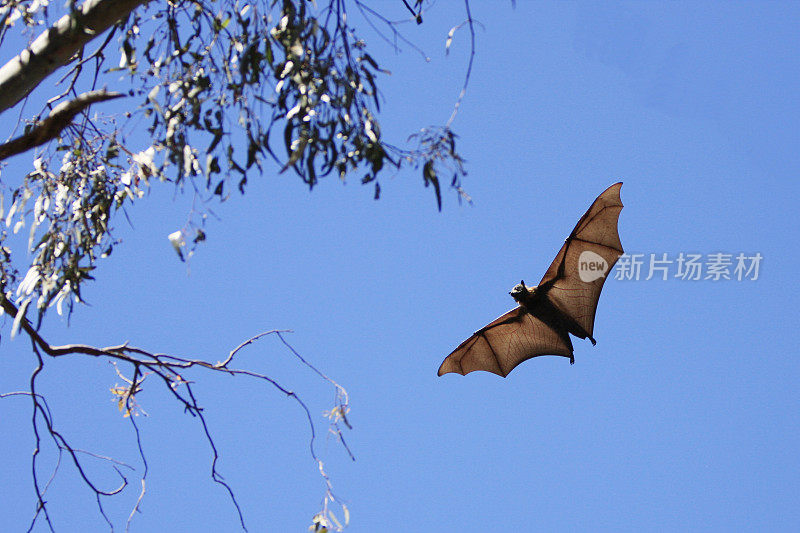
x: 168, y: 368
x: 144, y: 474
x: 471, y: 24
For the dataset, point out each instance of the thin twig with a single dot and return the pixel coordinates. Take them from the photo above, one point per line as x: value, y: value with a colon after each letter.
x: 168, y: 368
x: 367, y: 10
x: 469, y: 65
x: 144, y: 474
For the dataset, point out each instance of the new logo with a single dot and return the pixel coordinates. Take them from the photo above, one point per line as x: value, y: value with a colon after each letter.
x: 591, y: 266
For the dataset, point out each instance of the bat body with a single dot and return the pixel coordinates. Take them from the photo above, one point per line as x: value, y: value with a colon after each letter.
x: 563, y: 303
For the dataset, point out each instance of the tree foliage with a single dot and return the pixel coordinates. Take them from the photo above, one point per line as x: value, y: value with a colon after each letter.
x: 227, y: 90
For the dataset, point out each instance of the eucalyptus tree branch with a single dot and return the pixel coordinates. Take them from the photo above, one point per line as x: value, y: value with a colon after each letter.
x: 168, y: 369
x: 51, y: 127
x: 56, y: 46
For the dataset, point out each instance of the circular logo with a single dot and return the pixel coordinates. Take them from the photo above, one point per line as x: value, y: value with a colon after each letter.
x: 591, y: 266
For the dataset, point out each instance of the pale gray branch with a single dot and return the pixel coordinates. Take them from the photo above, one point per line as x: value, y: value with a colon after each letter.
x: 56, y: 46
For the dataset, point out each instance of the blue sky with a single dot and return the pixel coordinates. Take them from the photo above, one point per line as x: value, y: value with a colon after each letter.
x: 685, y: 416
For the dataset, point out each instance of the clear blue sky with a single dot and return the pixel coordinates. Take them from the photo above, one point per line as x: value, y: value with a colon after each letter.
x: 685, y: 416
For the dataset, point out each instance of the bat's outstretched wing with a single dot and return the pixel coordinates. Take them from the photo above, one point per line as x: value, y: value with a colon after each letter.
x: 504, y: 343
x: 572, y: 287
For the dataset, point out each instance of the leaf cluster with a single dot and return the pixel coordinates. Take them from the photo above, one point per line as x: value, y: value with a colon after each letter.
x: 227, y: 90
x: 255, y: 82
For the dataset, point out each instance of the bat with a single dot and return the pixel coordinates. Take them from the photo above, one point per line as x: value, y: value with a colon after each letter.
x: 563, y: 303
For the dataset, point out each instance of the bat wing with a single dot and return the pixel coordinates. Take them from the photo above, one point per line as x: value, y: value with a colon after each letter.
x: 573, y: 281
x: 504, y: 343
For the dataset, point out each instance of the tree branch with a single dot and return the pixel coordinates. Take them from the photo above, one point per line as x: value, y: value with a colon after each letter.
x: 58, y: 119
x: 168, y: 369
x: 56, y: 46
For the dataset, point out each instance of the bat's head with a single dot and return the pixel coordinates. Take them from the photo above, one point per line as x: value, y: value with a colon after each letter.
x: 520, y: 291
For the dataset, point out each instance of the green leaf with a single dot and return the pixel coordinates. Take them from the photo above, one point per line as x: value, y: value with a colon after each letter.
x: 449, y: 40
x: 215, y: 141
x: 312, y: 171
x: 252, y: 148
x: 287, y: 137
x: 20, y: 317
x: 368, y: 58
x: 212, y: 165
x: 429, y: 175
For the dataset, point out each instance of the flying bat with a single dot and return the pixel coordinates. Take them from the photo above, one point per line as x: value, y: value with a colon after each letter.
x: 564, y: 302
